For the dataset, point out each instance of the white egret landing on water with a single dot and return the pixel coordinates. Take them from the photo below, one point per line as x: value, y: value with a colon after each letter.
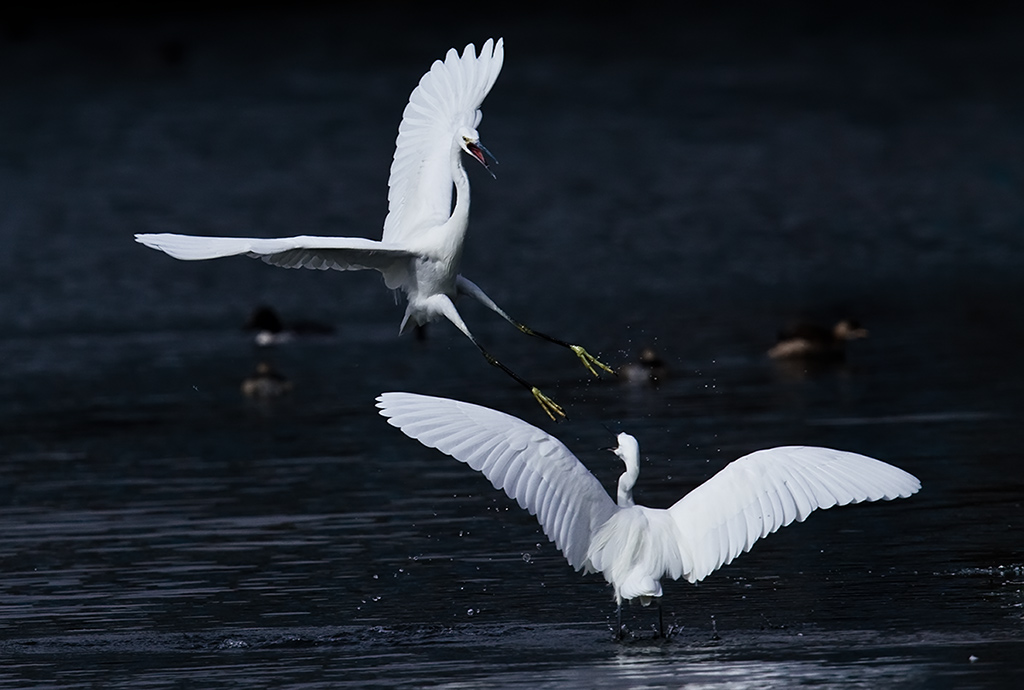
x: 421, y: 246
x: 635, y: 546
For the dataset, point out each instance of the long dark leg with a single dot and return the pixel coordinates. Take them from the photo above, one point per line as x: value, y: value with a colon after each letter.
x: 553, y: 409
x: 618, y: 621
x: 661, y: 621
x: 592, y: 363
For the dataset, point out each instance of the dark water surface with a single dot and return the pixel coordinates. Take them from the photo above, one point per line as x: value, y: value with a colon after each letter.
x: 693, y: 185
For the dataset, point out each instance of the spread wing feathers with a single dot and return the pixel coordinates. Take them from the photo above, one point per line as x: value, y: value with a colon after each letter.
x: 768, y: 489
x: 529, y: 465
x: 339, y: 253
x: 448, y: 97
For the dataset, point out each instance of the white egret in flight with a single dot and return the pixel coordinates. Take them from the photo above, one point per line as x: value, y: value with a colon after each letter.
x: 421, y: 246
x: 635, y: 546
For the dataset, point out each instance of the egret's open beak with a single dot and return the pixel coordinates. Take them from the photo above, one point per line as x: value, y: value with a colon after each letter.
x: 480, y: 152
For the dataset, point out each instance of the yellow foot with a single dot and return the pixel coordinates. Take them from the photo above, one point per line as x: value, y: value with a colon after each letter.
x: 590, y: 361
x: 553, y: 409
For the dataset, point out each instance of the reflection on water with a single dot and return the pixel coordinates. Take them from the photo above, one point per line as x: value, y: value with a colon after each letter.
x: 159, y: 529
x: 535, y: 656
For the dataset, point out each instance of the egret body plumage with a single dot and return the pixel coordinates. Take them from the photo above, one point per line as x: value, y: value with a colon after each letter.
x: 421, y: 246
x: 635, y: 546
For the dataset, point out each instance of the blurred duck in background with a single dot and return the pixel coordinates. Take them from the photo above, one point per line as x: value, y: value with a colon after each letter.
x: 272, y: 330
x: 649, y: 368
x: 266, y: 383
x: 810, y: 341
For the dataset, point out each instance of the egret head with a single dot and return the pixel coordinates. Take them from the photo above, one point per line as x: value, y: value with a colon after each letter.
x: 469, y: 141
x: 628, y: 449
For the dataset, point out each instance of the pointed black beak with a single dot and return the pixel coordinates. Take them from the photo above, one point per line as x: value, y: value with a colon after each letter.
x: 614, y: 434
x: 480, y: 152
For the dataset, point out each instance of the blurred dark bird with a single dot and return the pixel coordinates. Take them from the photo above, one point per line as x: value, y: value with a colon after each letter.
x: 650, y: 368
x: 815, y: 342
x: 271, y: 330
x: 266, y: 383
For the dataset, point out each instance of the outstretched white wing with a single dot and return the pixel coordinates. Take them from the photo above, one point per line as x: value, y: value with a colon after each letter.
x: 448, y: 97
x: 768, y: 489
x: 339, y: 253
x: 529, y: 465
